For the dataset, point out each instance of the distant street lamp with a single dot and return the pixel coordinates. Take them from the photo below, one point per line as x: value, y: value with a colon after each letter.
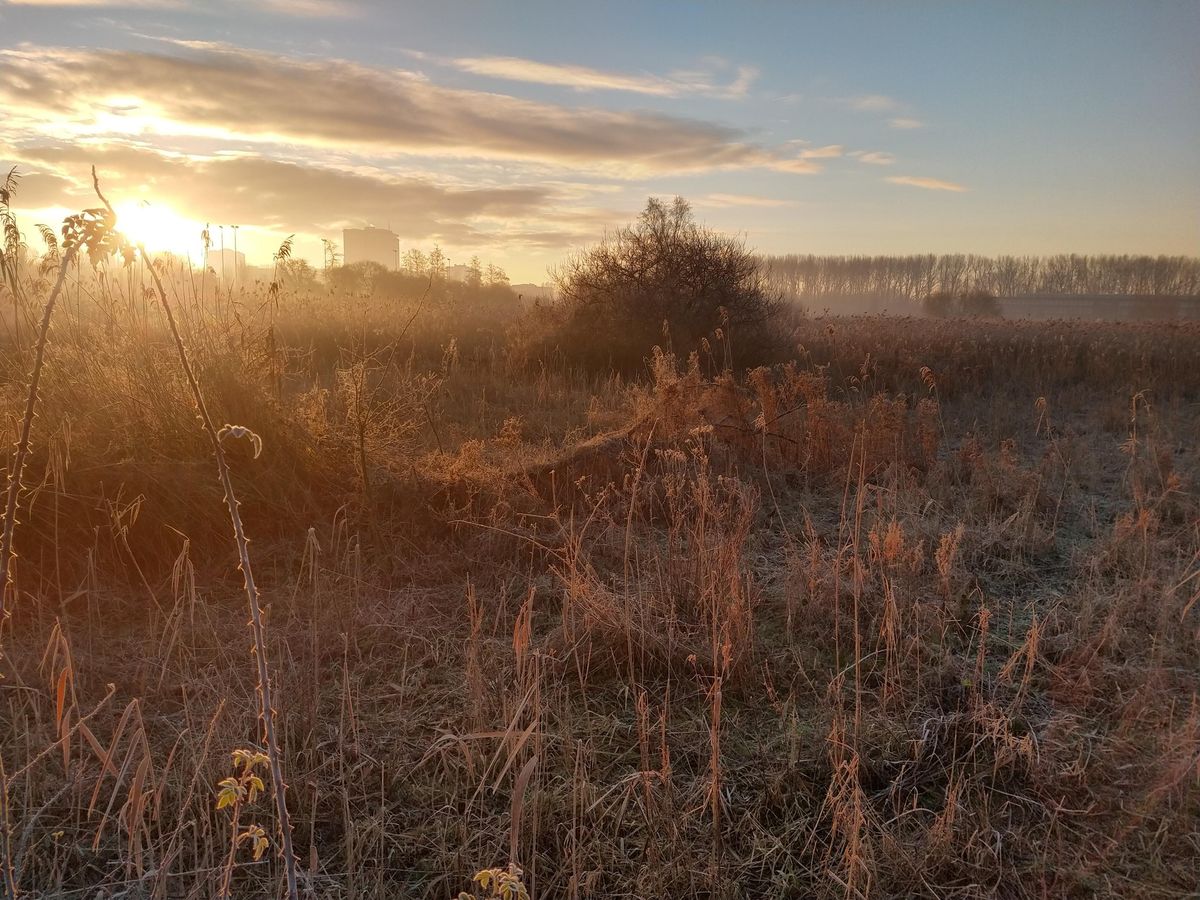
x: 235, y: 254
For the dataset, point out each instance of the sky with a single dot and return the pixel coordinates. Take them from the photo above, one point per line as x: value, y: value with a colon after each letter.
x: 521, y: 132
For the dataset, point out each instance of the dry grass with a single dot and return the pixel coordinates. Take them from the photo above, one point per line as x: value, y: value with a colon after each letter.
x: 836, y: 628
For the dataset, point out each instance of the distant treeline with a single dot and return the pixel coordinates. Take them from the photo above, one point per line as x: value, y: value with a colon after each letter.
x: 915, y: 277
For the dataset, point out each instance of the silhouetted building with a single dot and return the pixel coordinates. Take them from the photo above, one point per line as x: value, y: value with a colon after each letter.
x: 533, y: 292
x: 371, y: 244
x: 457, y: 272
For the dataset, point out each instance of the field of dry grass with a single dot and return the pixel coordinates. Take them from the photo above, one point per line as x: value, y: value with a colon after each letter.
x: 914, y: 614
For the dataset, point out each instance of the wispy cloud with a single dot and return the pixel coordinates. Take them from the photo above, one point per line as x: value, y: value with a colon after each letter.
x: 584, y: 78
x: 102, y: 4
x: 707, y: 79
x: 741, y: 85
x: 869, y: 102
x: 874, y: 157
x: 929, y: 184
x: 581, y: 78
x: 229, y: 93
x: 721, y: 201
x: 297, y: 8
x: 797, y: 166
x: 312, y: 9
x: 881, y: 104
x: 830, y: 151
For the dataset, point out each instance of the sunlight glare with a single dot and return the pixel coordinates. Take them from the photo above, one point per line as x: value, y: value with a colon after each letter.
x: 159, y: 228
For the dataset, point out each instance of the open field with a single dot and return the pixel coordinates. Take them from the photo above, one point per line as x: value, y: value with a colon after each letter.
x: 913, y: 613
x: 599, y: 451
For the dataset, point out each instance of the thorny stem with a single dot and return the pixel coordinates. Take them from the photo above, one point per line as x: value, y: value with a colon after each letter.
x: 227, y: 873
x: 266, y: 710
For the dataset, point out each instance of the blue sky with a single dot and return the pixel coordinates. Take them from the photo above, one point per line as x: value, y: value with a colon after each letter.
x: 519, y: 132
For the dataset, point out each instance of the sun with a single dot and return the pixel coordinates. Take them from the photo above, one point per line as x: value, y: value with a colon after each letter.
x: 159, y: 228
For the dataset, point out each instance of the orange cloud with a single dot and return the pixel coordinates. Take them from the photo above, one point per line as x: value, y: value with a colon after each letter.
x: 874, y: 157
x: 721, y: 201
x: 831, y: 151
x: 929, y: 184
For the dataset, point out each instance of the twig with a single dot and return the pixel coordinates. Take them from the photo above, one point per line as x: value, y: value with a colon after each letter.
x: 8, y: 881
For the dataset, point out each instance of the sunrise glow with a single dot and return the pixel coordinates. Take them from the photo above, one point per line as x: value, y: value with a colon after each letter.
x: 808, y: 130
x: 159, y: 228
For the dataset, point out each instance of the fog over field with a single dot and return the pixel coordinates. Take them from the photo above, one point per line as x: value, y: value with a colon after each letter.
x: 561, y: 450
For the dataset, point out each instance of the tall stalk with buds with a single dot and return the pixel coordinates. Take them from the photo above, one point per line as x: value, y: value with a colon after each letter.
x: 266, y: 710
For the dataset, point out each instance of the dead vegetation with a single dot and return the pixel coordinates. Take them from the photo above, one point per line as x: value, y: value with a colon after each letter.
x: 912, y: 614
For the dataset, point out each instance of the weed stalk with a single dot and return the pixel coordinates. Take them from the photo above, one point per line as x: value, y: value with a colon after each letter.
x: 266, y: 710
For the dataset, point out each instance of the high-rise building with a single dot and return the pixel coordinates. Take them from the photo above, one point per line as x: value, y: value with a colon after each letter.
x: 370, y: 244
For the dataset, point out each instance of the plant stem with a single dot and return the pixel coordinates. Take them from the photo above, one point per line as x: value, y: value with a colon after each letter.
x: 8, y: 881
x: 22, y: 448
x: 21, y: 454
x: 266, y: 710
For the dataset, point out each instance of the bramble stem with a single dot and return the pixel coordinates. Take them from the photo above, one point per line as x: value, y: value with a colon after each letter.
x: 266, y: 710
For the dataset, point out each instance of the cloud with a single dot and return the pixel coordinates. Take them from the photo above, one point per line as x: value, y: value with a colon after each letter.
x: 929, y: 184
x: 798, y: 166
x: 106, y: 4
x: 311, y: 9
x: 579, y: 77
x: 880, y: 103
x: 745, y: 78
x: 227, y: 93
x: 39, y: 189
x: 874, y: 157
x: 283, y: 195
x: 297, y: 8
x: 830, y: 151
x: 869, y: 102
x: 705, y: 80
x: 584, y: 78
x: 722, y: 201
